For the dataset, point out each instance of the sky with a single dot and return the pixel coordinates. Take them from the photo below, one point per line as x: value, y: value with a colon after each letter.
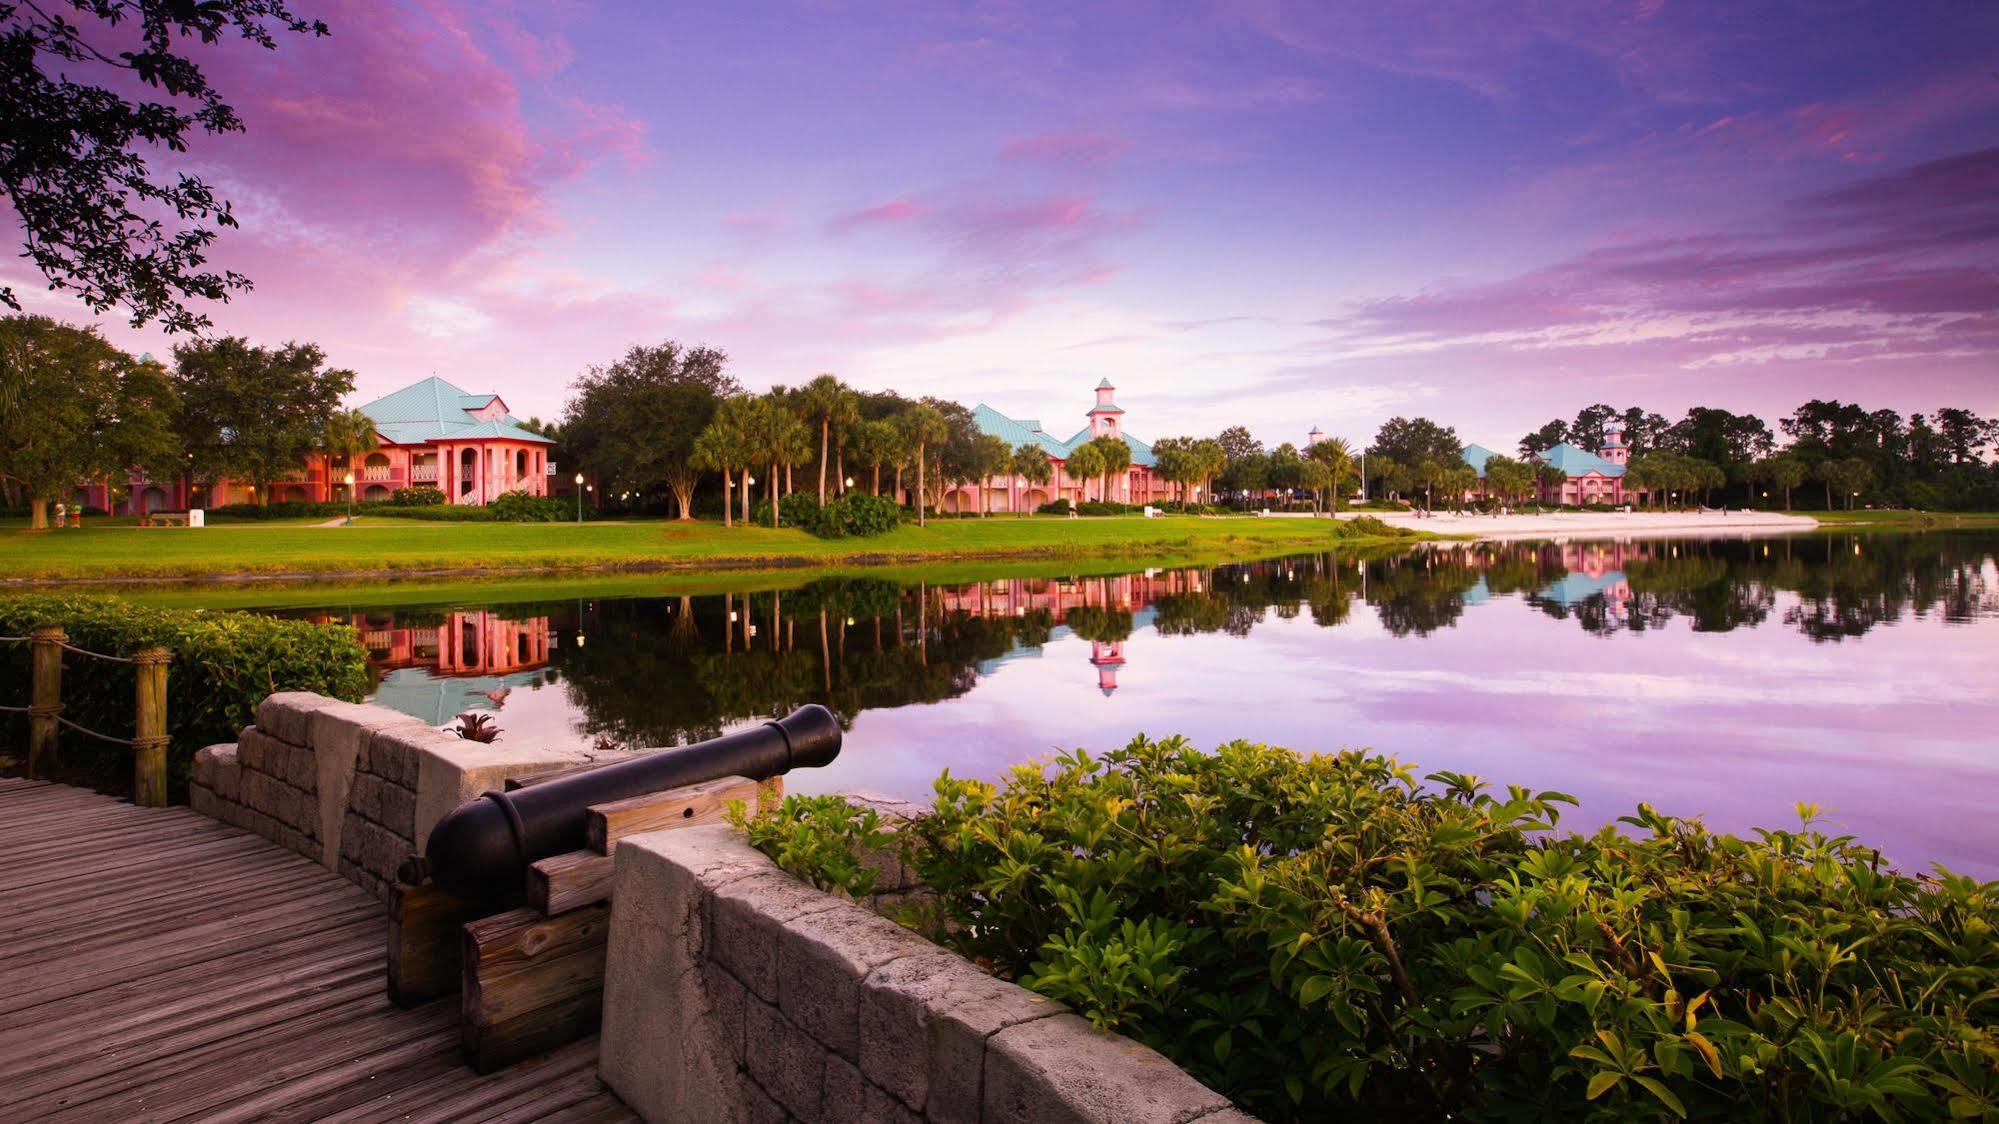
x: 1272, y: 213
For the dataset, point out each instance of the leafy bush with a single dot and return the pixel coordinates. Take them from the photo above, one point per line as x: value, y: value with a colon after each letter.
x: 855, y: 515
x: 1322, y: 937
x: 288, y: 509
x: 1100, y: 507
x: 1054, y: 507
x: 223, y: 666
x: 1369, y: 527
x: 520, y: 507
x: 423, y: 495
x: 798, y: 509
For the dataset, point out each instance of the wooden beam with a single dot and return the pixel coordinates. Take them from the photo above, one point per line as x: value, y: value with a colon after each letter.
x: 560, y: 883
x: 424, y: 943
x: 513, y: 783
x: 681, y: 807
x: 531, y: 983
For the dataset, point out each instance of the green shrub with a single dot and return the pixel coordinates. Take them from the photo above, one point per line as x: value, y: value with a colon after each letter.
x: 423, y: 495
x: 795, y: 510
x: 288, y: 509
x: 1369, y: 527
x: 855, y: 515
x: 1054, y: 507
x: 520, y: 507
x: 1100, y: 507
x: 1323, y: 937
x: 223, y: 666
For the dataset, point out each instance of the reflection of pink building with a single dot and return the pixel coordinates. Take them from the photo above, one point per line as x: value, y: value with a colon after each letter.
x: 429, y: 434
x: 1107, y: 658
x: 1137, y: 484
x: 474, y: 642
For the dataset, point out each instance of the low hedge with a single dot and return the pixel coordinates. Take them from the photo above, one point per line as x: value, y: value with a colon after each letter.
x: 1054, y: 507
x: 856, y: 515
x: 223, y: 666
x: 1326, y: 937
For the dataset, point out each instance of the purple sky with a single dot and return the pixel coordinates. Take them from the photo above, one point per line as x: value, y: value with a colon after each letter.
x: 1264, y: 212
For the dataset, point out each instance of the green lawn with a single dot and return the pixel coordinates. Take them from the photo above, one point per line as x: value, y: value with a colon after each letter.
x: 383, y: 547
x: 1897, y: 517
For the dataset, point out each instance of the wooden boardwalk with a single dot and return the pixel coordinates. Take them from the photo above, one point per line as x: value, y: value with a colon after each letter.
x: 157, y: 965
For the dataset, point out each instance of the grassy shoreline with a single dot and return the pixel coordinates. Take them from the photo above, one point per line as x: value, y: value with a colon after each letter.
x: 376, y: 548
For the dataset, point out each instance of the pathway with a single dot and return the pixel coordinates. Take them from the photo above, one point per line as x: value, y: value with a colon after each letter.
x: 157, y: 965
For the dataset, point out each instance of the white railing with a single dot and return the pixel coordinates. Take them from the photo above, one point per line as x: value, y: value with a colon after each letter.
x: 423, y: 472
x: 378, y: 472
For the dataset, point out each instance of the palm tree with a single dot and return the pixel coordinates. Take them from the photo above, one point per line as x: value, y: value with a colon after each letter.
x: 1548, y: 478
x: 1209, y: 460
x: 1117, y: 459
x: 348, y: 432
x: 774, y: 436
x: 1337, y: 456
x: 1030, y: 463
x: 824, y: 401
x: 923, y: 426
x: 1086, y: 462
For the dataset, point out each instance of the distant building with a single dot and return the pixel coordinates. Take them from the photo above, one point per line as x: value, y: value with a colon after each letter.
x: 428, y: 434
x: 1137, y: 484
x: 1590, y: 478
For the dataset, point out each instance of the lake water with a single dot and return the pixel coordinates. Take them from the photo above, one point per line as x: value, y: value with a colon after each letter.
x: 1731, y: 679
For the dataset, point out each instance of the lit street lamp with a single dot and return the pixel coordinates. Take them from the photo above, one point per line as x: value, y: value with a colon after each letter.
x: 350, y: 497
x: 579, y: 497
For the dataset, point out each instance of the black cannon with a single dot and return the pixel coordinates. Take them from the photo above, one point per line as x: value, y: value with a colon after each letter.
x: 481, y: 849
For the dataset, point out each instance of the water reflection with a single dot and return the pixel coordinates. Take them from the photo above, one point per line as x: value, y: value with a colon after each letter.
x: 1732, y: 677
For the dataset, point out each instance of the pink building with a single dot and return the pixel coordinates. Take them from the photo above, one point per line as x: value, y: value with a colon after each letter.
x: 428, y: 434
x: 1137, y: 484
x: 1591, y: 478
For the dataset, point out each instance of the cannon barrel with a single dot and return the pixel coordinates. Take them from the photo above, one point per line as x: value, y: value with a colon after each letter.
x: 481, y: 849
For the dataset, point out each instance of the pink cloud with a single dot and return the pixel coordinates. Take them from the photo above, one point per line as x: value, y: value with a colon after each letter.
x: 892, y: 213
x: 1068, y: 150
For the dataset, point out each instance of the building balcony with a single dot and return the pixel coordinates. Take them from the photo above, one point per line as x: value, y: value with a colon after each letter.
x: 377, y: 474
x: 425, y: 473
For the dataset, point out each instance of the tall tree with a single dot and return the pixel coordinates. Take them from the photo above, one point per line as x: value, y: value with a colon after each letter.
x: 990, y: 458
x: 1085, y: 463
x: 254, y: 413
x: 1032, y: 464
x: 824, y: 401
x: 1544, y: 438
x: 1964, y: 435
x: 1210, y: 458
x: 1116, y: 458
x: 775, y: 437
x: 923, y: 427
x: 1411, y: 441
x: 1337, y: 456
x: 349, y: 433
x: 96, y: 218
x: 633, y: 423
x: 80, y: 409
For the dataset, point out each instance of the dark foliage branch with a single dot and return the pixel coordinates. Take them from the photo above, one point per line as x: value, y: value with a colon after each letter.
x: 97, y: 219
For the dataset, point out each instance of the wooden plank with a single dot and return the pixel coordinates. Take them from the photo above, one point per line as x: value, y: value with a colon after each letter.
x: 680, y: 807
x: 560, y: 883
x: 424, y: 943
x: 531, y: 983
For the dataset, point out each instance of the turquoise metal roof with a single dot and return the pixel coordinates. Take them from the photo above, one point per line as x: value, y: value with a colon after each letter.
x: 434, y: 410
x: 1476, y: 456
x: 1576, y: 461
x: 1016, y: 433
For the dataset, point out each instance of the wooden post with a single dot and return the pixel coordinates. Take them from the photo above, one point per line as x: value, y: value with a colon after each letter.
x: 149, y: 727
x: 425, y: 936
x: 45, y: 701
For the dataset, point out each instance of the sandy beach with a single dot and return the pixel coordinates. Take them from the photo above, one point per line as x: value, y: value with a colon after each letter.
x: 1592, y: 524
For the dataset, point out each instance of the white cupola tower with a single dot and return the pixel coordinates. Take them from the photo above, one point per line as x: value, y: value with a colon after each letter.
x: 1105, y: 415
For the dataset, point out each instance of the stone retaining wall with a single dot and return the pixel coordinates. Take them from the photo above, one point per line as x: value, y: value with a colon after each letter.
x: 354, y: 786
x: 734, y: 992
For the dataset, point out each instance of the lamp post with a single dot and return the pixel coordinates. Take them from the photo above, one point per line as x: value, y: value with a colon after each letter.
x: 579, y: 497
x: 350, y: 497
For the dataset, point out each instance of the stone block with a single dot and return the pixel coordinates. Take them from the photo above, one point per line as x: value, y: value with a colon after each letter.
x: 747, y: 922
x: 784, y: 1059
x: 366, y: 797
x: 391, y: 758
x: 1228, y: 1116
x: 262, y: 792
x: 287, y: 715
x: 202, y: 799
x: 672, y: 1037
x: 757, y: 1105
x: 228, y: 772
x: 372, y: 847
x: 878, y: 1106
x: 821, y: 960
x: 842, y: 1093
x: 1062, y: 1070
x: 252, y: 745
x: 301, y: 768
x: 204, y: 767
x: 728, y: 998
x: 924, y: 1022
x: 398, y: 811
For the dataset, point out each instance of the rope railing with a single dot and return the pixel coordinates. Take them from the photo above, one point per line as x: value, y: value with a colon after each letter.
x: 149, y: 711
